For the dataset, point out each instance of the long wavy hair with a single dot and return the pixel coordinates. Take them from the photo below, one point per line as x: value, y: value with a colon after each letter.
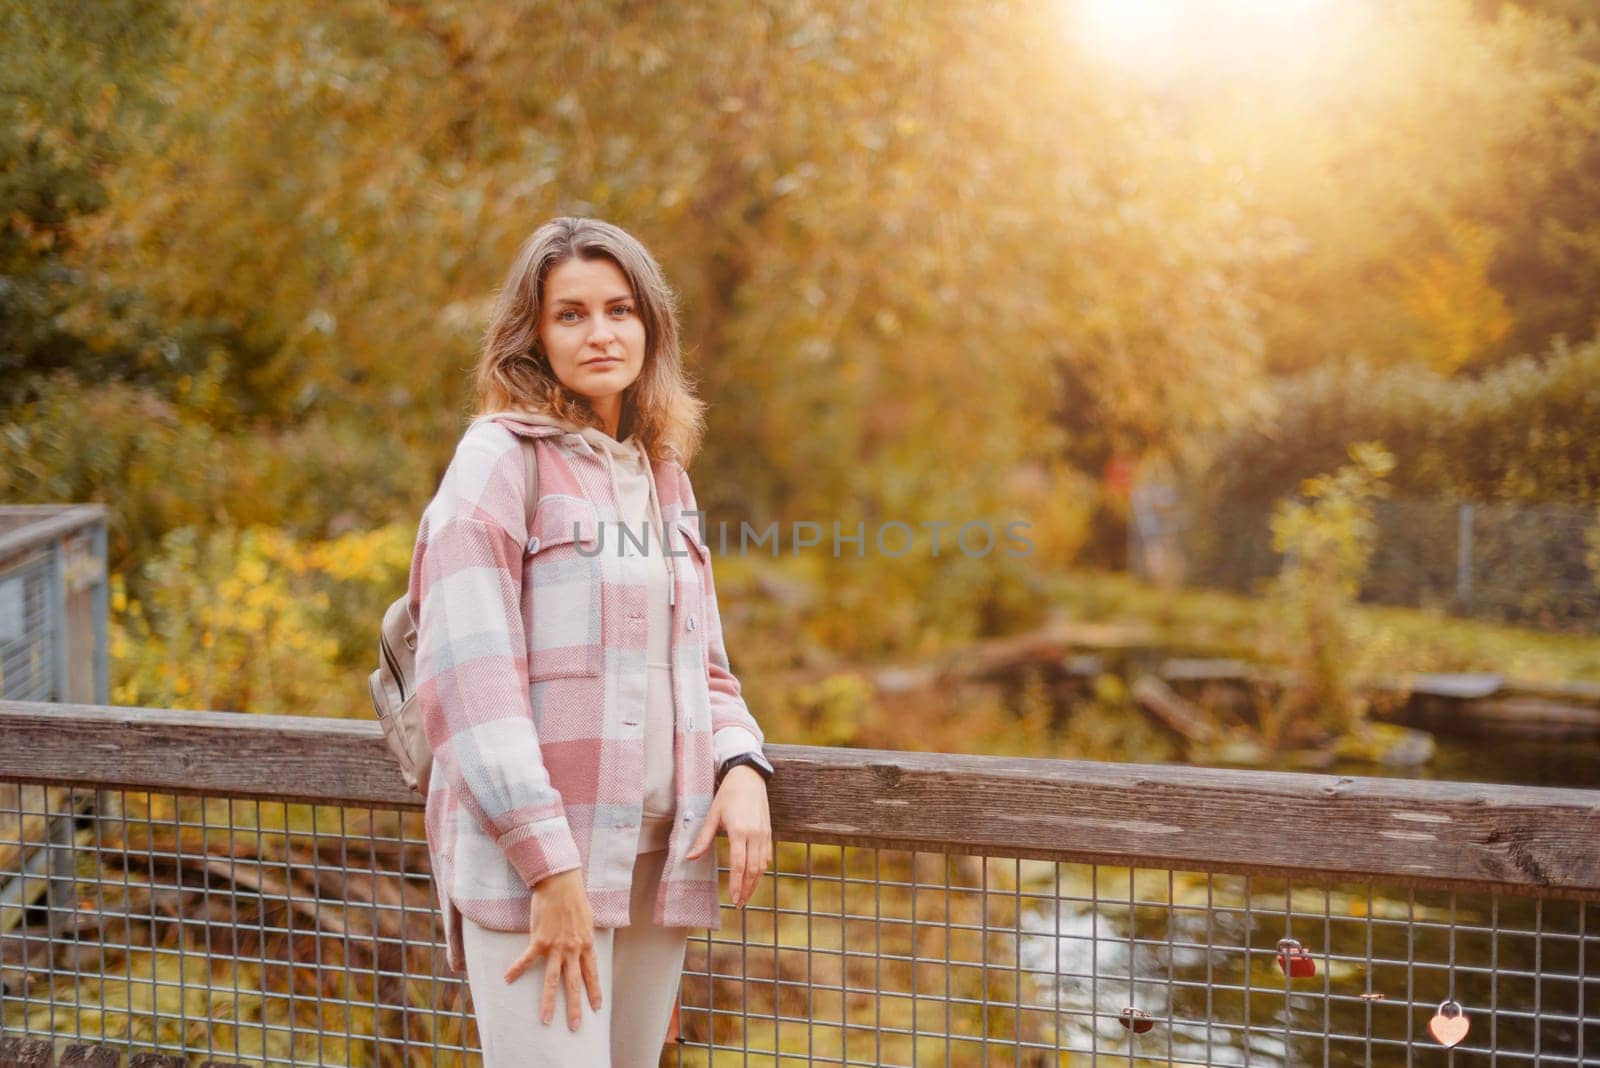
x: 660, y: 408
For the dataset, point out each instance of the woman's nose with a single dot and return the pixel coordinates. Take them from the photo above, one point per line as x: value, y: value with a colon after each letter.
x: 602, y: 334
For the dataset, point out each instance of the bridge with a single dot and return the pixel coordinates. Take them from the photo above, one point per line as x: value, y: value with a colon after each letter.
x: 187, y: 887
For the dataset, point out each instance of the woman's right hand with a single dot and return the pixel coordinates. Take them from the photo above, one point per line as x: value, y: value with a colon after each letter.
x: 561, y: 928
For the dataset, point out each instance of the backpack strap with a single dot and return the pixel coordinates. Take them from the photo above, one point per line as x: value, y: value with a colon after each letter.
x: 530, y: 467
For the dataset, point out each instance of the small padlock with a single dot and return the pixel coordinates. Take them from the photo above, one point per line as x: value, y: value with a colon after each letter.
x: 1136, y: 1020
x: 1294, y: 961
x: 1449, y: 1025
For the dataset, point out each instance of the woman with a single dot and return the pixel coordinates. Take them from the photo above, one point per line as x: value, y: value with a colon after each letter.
x: 588, y: 737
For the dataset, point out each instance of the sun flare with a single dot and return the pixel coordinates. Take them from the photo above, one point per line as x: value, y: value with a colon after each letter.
x: 1154, y: 32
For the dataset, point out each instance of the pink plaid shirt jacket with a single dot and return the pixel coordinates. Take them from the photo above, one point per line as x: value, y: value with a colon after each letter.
x: 531, y: 674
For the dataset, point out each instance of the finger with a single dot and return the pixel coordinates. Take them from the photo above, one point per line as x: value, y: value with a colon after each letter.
x: 743, y: 895
x: 708, y: 831
x: 552, y: 976
x: 752, y: 875
x: 591, y: 976
x: 522, y: 964
x: 763, y: 857
x: 743, y: 872
x: 736, y: 855
x: 570, y: 969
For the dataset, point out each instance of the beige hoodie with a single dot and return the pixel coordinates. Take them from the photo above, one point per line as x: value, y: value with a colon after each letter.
x: 640, y: 512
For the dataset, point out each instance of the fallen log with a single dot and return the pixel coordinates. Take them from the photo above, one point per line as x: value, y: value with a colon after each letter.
x: 1172, y: 711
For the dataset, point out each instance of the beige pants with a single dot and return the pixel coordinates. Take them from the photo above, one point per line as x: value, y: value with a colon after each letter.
x: 640, y: 966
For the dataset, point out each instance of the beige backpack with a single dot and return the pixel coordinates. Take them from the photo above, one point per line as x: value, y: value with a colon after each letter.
x: 393, y: 685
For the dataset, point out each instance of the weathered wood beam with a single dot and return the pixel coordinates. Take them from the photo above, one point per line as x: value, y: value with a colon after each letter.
x: 1468, y: 836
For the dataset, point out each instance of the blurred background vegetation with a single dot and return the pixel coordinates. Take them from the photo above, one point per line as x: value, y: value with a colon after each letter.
x: 936, y: 263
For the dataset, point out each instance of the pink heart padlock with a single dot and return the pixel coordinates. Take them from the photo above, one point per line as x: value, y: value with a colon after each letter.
x: 1449, y: 1025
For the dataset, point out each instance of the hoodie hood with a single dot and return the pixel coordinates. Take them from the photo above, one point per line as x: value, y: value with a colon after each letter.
x: 626, y: 450
x: 628, y: 454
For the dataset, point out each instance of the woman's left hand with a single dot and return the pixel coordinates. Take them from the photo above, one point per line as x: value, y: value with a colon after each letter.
x: 741, y: 807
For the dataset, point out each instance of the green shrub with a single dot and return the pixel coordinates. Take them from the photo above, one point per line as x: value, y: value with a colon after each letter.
x: 160, y: 465
x: 1528, y: 431
x: 1327, y: 542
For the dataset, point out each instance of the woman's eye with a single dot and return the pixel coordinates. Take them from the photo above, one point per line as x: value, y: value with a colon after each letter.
x: 621, y: 310
x: 566, y: 316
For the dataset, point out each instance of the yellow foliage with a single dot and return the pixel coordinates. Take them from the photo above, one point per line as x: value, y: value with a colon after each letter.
x: 255, y: 620
x: 1458, y: 314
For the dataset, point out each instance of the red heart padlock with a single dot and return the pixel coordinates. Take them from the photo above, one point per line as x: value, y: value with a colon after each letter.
x: 1294, y: 961
x: 1136, y: 1020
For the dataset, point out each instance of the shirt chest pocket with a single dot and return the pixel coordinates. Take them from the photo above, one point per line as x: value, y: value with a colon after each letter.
x: 693, y: 559
x: 561, y: 590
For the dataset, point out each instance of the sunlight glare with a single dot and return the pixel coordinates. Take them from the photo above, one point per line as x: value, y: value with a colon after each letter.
x: 1126, y: 26
x: 1145, y: 33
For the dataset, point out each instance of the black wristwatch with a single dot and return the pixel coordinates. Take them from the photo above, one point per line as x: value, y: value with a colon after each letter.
x: 762, y: 765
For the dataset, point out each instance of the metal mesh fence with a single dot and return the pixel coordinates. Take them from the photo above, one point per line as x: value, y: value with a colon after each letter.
x: 54, y: 595
x: 1534, y: 564
x: 29, y: 631
x: 286, y: 933
x: 268, y: 932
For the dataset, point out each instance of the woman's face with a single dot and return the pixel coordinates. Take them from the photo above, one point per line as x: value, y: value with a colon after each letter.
x: 592, y: 333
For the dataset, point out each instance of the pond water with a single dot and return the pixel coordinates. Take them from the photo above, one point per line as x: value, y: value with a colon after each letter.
x: 1206, y: 972
x: 1202, y: 959
x: 1524, y: 761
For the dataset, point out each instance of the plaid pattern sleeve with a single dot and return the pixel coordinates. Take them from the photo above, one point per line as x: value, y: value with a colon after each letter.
x: 472, y: 660
x: 733, y: 729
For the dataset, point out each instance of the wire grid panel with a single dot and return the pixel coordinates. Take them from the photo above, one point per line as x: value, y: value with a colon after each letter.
x: 288, y: 934
x: 259, y: 932
x: 29, y: 632
x: 864, y: 956
x: 1511, y: 562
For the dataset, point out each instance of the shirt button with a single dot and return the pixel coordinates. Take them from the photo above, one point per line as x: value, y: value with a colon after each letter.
x: 533, y: 544
x: 636, y: 614
x: 691, y: 622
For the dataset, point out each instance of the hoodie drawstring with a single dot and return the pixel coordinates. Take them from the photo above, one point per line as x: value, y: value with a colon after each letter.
x: 655, y: 505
